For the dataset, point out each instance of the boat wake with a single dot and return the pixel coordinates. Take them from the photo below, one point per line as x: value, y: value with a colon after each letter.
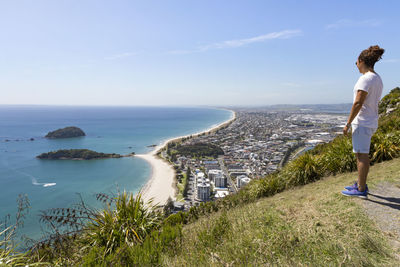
x: 34, y: 180
x: 49, y: 184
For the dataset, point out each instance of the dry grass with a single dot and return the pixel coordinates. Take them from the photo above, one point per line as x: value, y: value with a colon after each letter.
x: 312, y: 225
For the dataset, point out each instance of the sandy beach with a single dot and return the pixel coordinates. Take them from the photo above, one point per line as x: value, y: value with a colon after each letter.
x: 161, y: 183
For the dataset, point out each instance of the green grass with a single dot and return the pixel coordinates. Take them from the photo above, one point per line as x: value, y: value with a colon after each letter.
x: 312, y: 225
x: 181, y: 186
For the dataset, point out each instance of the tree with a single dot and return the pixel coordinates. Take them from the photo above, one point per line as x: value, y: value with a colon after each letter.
x: 173, y: 157
x: 186, y: 188
x: 169, y: 207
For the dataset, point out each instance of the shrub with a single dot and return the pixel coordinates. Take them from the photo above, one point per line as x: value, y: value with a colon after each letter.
x: 8, y: 257
x: 128, y: 223
x: 389, y: 123
x: 168, y: 207
x: 385, y: 146
x: 305, y: 169
x: 177, y: 218
x: 319, y: 149
x: 267, y: 186
x: 147, y: 253
x: 339, y: 157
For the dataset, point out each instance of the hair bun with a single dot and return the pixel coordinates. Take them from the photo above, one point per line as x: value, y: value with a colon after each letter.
x: 371, y: 55
x: 376, y: 52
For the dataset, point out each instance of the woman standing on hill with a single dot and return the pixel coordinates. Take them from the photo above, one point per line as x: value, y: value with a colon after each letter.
x: 363, y: 116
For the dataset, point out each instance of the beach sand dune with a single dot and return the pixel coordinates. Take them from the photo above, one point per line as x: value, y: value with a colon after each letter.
x: 161, y: 184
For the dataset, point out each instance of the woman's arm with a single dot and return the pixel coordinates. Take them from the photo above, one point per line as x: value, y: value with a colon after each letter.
x: 360, y: 98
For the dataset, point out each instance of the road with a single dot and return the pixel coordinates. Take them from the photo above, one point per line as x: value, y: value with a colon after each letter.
x: 191, y: 195
x: 231, y: 185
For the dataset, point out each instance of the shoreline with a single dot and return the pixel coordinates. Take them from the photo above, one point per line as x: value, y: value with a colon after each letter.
x: 161, y: 184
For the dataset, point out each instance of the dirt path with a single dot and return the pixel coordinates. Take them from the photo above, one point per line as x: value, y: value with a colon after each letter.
x: 383, y: 206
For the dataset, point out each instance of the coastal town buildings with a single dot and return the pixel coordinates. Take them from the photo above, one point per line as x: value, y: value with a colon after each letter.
x: 242, y: 180
x: 258, y: 142
x: 220, y: 181
x: 218, y: 178
x: 203, y: 187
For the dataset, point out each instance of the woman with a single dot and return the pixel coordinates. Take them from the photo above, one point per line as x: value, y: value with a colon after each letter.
x: 363, y: 116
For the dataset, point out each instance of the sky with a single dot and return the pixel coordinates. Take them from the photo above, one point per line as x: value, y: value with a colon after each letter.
x: 191, y: 53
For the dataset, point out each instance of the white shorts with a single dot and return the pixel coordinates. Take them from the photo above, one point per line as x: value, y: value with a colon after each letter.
x: 362, y: 138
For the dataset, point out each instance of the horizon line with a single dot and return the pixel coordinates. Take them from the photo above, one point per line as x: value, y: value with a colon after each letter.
x: 208, y: 106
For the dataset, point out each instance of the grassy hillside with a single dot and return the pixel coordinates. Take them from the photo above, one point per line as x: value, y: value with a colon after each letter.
x: 309, y: 225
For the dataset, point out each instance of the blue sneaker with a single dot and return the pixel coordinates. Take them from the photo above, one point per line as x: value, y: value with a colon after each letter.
x: 355, y: 193
x: 355, y: 186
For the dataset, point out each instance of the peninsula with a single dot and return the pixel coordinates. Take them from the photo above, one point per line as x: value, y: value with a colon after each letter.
x: 66, y: 132
x: 80, y: 154
x: 161, y: 184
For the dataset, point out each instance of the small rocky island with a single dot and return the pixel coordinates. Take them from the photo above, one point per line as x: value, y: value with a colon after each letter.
x: 80, y: 154
x: 66, y: 132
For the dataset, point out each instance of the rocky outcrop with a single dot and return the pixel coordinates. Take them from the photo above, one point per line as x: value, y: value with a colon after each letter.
x: 66, y: 132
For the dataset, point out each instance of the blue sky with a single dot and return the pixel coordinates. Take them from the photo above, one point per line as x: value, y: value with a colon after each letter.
x: 191, y: 52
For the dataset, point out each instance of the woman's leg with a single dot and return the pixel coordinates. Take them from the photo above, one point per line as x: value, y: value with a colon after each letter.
x: 363, y: 168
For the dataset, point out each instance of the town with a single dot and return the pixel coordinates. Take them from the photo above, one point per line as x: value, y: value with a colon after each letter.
x: 258, y: 142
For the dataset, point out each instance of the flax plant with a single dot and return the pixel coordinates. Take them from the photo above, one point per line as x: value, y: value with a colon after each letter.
x: 127, y: 223
x: 385, y: 146
x: 9, y: 255
x: 339, y: 156
x: 303, y: 170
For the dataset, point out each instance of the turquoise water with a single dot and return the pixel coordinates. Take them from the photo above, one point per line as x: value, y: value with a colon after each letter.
x: 52, y: 184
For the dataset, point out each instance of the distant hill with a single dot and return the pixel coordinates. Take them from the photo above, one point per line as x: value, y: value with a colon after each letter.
x: 66, y: 132
x: 309, y: 108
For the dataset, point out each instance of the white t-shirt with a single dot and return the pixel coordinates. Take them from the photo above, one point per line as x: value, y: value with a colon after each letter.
x: 372, y: 84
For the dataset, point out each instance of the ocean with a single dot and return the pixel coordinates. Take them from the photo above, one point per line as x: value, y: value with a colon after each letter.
x: 57, y: 183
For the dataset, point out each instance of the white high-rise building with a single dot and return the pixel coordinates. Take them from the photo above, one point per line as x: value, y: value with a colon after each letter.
x: 203, y: 187
x: 220, y: 181
x: 200, y: 176
x: 214, y: 173
x: 203, y: 191
x: 218, y: 178
x: 242, y: 180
